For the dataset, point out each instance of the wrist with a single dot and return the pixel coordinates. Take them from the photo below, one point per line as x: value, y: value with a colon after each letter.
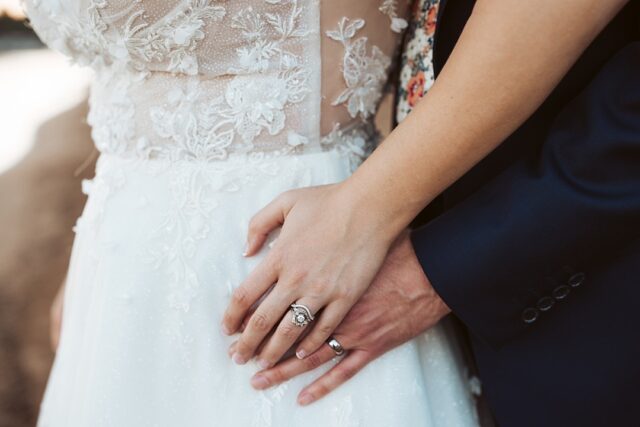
x: 374, y: 212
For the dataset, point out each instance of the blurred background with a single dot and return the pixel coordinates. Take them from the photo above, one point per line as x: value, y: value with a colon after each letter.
x: 45, y: 151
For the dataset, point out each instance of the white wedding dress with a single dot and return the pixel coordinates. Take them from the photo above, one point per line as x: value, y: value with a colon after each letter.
x: 203, y: 111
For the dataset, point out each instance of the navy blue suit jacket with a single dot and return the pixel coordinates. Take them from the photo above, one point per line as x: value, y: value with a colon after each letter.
x: 537, y: 249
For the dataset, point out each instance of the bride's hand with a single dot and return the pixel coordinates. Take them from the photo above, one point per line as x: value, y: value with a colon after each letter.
x: 326, y: 256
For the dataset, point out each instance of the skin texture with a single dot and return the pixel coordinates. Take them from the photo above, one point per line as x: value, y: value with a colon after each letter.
x: 334, y: 238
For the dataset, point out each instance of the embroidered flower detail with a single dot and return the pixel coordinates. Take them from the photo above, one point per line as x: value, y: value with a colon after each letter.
x: 112, y: 113
x: 191, y: 126
x: 364, y: 74
x: 175, y: 40
x: 390, y: 8
x: 255, y: 58
x: 256, y: 104
x: 357, y: 142
x: 295, y: 139
x: 250, y: 23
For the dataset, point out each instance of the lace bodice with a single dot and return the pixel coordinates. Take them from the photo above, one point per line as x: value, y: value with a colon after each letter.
x: 210, y: 79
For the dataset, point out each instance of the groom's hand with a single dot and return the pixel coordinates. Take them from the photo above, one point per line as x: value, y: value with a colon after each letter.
x: 399, y: 305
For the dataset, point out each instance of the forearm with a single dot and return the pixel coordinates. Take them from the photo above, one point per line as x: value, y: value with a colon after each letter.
x: 508, y: 59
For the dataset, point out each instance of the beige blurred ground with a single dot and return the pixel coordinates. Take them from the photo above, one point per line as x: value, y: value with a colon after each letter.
x: 44, y: 140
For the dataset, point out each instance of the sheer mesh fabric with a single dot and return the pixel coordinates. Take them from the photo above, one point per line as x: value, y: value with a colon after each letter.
x: 205, y: 79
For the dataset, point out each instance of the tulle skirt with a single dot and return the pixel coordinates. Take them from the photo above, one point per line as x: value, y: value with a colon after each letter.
x: 157, y: 254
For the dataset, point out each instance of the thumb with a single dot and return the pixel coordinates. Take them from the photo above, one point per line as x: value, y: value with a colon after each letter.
x: 266, y: 220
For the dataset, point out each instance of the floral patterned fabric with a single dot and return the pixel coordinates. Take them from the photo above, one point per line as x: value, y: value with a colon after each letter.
x: 416, y: 74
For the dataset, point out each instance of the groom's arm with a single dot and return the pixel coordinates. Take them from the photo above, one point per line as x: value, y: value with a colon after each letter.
x: 494, y: 257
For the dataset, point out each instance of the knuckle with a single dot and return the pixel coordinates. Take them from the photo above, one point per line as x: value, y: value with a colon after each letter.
x: 326, y: 329
x: 260, y: 322
x: 345, y: 373
x: 321, y: 389
x: 318, y: 287
x: 344, y: 293
x: 274, y: 258
x: 313, y: 361
x: 239, y: 296
x: 255, y: 225
x: 296, y: 276
x: 286, y: 197
x: 277, y: 376
x: 241, y: 348
x: 289, y: 332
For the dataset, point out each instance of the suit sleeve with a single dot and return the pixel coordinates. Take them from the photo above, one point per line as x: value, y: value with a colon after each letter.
x: 528, y: 238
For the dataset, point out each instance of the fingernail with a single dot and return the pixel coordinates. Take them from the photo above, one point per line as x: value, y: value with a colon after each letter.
x: 264, y: 364
x: 246, y: 249
x: 238, y: 360
x: 259, y: 382
x: 226, y: 330
x: 301, y: 354
x: 305, y: 399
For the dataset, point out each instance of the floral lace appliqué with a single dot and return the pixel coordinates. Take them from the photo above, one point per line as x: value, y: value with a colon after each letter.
x: 175, y: 40
x: 390, y: 8
x: 364, y: 74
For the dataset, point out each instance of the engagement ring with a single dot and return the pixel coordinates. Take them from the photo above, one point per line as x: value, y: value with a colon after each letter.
x: 301, y: 315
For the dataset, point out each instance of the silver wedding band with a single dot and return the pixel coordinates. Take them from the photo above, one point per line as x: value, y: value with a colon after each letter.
x: 335, y: 346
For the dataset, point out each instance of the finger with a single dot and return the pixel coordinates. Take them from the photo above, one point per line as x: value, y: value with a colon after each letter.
x: 265, y: 221
x: 267, y: 315
x: 243, y: 325
x: 247, y: 294
x: 346, y: 369
x: 285, y: 335
x: 232, y: 348
x: 291, y: 368
x: 326, y: 325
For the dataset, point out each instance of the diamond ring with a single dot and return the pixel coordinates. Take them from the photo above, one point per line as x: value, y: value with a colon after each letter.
x: 301, y: 315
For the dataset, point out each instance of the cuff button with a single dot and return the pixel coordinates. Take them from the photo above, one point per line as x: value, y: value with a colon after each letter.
x: 561, y: 292
x: 545, y: 303
x: 529, y: 315
x: 576, y: 280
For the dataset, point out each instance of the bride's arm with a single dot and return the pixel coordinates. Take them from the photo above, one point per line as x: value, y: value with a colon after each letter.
x: 509, y: 57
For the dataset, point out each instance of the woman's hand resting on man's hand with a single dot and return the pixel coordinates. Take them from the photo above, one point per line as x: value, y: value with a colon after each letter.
x: 326, y: 256
x: 399, y: 305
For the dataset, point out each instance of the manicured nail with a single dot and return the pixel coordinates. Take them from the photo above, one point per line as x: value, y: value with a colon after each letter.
x: 259, y: 382
x: 264, y: 364
x: 301, y: 354
x: 305, y: 399
x: 238, y: 360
